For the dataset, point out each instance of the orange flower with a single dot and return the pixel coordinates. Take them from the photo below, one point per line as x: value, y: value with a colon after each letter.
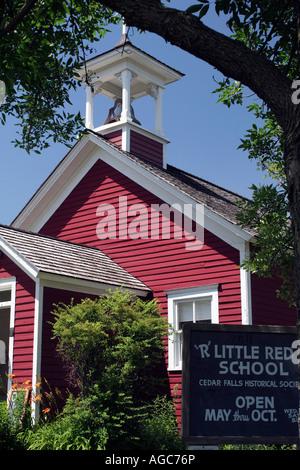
x: 11, y: 376
x: 38, y: 397
x: 46, y: 410
x: 38, y: 384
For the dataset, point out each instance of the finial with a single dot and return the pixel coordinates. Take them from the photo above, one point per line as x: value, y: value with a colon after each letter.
x: 124, y: 38
x: 124, y: 29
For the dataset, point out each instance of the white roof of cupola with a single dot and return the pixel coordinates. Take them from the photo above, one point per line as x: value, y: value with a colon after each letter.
x: 101, y: 72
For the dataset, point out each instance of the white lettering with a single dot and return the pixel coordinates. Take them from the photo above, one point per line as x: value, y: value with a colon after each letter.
x: 217, y: 415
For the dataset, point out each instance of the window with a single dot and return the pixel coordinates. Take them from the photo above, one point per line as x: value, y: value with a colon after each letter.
x: 5, y: 296
x: 185, y: 306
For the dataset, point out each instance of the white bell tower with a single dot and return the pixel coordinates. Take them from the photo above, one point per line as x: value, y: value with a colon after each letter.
x: 125, y: 74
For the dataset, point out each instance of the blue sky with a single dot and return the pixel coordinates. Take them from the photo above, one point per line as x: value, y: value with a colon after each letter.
x: 204, y: 135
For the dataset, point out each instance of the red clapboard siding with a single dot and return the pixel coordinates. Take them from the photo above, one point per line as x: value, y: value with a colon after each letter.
x: 267, y: 308
x: 146, y: 148
x: 24, y: 320
x: 115, y: 137
x: 162, y: 264
x: 51, y: 365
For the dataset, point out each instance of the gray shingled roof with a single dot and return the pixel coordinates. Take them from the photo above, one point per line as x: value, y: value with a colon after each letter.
x: 51, y: 255
x: 219, y: 200
x: 214, y: 197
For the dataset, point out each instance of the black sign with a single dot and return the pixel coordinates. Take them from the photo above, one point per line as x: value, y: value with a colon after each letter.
x: 240, y: 384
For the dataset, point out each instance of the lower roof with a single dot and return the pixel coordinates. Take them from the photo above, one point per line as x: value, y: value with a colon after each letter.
x: 43, y: 254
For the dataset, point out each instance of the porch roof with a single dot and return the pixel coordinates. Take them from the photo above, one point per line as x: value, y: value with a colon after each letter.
x: 43, y: 254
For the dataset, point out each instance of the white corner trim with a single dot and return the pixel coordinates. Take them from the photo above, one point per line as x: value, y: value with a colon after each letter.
x: 18, y: 259
x: 245, y: 277
x: 37, y: 346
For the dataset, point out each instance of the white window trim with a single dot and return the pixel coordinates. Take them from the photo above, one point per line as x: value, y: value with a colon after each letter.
x: 10, y: 284
x: 209, y: 292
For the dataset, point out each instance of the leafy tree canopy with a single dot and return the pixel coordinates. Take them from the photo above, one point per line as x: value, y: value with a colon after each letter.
x: 41, y: 46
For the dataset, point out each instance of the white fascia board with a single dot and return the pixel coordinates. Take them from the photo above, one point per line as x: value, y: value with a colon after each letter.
x: 116, y: 56
x: 80, y: 285
x: 59, y: 178
x: 57, y: 187
x: 119, y: 125
x: 18, y: 259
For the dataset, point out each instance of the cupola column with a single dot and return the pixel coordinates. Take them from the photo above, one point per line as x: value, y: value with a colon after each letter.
x: 158, y: 112
x: 89, y: 108
x: 126, y: 78
x: 156, y: 92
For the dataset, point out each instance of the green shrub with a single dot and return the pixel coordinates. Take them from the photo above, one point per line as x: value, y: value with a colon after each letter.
x: 76, y: 428
x: 10, y: 436
x: 159, y: 430
x: 114, y: 341
x: 92, y: 423
x: 113, y: 347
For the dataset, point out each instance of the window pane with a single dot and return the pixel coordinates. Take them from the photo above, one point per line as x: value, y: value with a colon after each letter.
x: 202, y: 310
x: 185, y: 315
x: 5, y: 295
x: 185, y: 312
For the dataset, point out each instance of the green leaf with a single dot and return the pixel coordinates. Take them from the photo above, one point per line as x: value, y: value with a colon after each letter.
x: 203, y: 11
x: 193, y: 9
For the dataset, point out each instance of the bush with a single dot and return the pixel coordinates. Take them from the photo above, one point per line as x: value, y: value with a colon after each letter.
x: 113, y: 347
x: 115, y: 341
x: 159, y: 431
x: 10, y: 437
x: 78, y: 427
x: 86, y: 424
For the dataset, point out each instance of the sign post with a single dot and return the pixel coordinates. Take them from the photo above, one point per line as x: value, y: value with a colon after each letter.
x: 240, y: 385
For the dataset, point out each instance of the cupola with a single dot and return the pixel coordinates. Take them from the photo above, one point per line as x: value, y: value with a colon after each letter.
x: 125, y: 74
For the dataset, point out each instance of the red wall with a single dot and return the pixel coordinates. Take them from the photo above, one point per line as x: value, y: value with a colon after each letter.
x: 161, y: 264
x: 140, y: 145
x: 267, y: 308
x: 115, y: 137
x: 24, y: 320
x: 51, y: 366
x: 146, y: 148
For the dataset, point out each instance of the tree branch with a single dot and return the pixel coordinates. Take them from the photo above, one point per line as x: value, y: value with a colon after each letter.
x: 229, y: 56
x: 20, y: 15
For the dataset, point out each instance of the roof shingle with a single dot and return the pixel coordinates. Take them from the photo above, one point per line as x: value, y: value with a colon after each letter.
x: 51, y: 255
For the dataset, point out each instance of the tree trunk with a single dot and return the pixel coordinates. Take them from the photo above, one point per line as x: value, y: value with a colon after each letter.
x: 292, y: 171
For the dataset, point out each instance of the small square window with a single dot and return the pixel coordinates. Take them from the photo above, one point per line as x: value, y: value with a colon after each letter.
x: 5, y: 296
